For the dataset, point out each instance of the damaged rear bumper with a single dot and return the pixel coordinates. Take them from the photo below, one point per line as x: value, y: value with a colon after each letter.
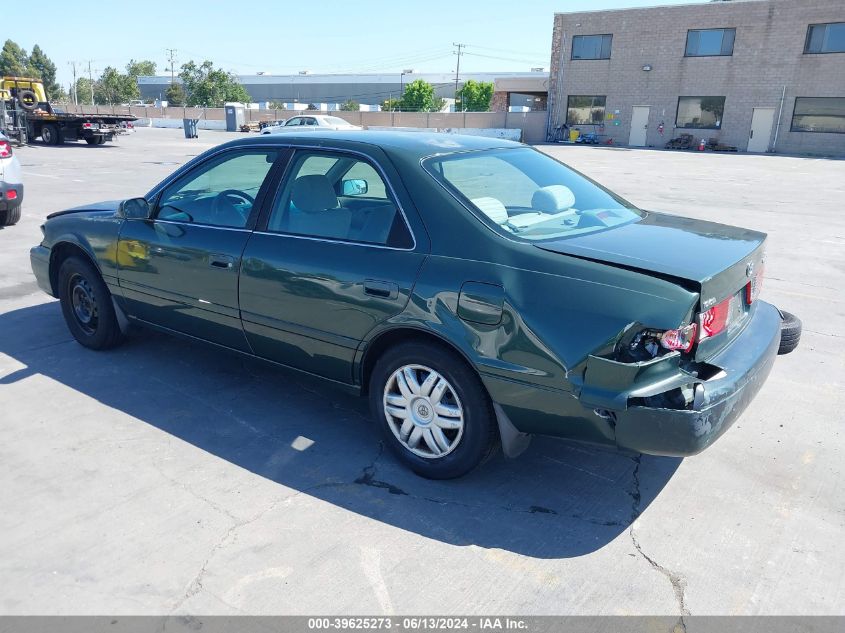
x: 719, y: 401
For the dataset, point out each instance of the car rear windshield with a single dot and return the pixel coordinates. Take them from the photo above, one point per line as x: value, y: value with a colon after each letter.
x: 526, y: 194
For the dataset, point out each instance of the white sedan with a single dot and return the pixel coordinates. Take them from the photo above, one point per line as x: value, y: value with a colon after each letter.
x: 315, y: 122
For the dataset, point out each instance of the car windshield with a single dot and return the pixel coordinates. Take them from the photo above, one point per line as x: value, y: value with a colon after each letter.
x: 333, y: 120
x: 524, y: 193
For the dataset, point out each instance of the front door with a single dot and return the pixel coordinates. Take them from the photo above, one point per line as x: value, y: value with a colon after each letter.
x: 179, y: 269
x: 761, y: 129
x: 639, y: 126
x: 333, y: 259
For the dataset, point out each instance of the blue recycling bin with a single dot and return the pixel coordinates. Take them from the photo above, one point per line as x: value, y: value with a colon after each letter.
x: 190, y: 126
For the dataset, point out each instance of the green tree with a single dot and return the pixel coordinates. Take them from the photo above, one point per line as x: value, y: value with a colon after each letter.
x: 438, y: 104
x: 312, y: 106
x: 175, y: 95
x: 418, y: 96
x: 211, y: 87
x: 114, y: 88
x: 142, y: 68
x: 43, y: 67
x: 475, y: 96
x: 83, y: 91
x: 389, y: 105
x: 13, y: 60
x: 350, y: 106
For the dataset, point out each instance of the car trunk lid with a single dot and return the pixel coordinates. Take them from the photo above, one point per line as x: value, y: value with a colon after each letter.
x: 716, y: 260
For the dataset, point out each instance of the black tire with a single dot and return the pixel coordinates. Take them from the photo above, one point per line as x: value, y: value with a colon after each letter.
x: 51, y: 135
x: 10, y: 216
x: 478, y: 436
x: 790, y: 333
x: 27, y: 100
x: 91, y: 141
x: 82, y: 292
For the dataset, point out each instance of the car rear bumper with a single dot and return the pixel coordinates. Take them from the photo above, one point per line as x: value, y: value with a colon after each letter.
x: 39, y: 258
x: 746, y: 363
x: 5, y: 188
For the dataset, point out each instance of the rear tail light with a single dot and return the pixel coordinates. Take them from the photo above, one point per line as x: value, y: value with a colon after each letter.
x: 753, y: 287
x: 715, y: 320
x: 11, y: 194
x: 681, y: 339
x: 5, y: 149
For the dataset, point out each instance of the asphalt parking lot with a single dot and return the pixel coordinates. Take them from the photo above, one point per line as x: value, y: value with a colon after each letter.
x: 166, y: 477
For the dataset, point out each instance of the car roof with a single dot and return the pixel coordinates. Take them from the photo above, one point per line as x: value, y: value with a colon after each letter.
x: 414, y: 144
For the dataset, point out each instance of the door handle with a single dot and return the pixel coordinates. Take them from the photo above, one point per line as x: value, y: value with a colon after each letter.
x: 221, y: 261
x: 383, y: 289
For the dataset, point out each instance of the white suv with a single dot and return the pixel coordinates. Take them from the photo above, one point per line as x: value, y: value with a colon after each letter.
x: 11, y: 184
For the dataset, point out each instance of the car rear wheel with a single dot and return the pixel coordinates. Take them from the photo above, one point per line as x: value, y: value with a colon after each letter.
x: 87, y: 305
x: 91, y: 141
x: 10, y: 216
x: 433, y: 410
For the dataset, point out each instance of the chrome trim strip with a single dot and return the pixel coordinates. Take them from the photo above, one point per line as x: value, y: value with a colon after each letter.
x: 206, y: 226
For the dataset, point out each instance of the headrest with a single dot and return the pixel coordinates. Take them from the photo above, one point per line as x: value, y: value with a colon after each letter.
x: 313, y: 193
x: 553, y: 199
x: 492, y: 208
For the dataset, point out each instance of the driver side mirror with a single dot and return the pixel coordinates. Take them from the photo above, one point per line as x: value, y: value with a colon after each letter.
x: 135, y: 209
x: 354, y: 187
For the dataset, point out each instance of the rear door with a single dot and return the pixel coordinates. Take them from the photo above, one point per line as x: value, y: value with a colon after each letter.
x: 179, y: 270
x: 334, y: 257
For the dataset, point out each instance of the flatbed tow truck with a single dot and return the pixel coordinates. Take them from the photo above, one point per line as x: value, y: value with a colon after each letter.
x: 26, y: 114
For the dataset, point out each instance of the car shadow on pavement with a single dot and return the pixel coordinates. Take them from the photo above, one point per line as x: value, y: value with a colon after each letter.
x: 559, y: 499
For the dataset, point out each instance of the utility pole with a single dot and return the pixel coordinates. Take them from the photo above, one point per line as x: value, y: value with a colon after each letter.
x: 73, y: 66
x: 171, y: 57
x: 91, y: 80
x: 458, y: 52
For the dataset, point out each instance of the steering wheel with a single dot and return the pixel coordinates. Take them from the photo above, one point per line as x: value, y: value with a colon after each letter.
x: 224, y: 207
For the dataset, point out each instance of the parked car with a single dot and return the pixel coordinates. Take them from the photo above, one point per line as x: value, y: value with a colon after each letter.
x: 476, y: 290
x: 311, y: 123
x: 11, y: 184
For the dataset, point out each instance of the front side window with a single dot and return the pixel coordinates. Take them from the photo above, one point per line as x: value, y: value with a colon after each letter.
x: 710, y: 42
x: 585, y: 109
x: 819, y: 114
x: 525, y: 194
x: 338, y: 197
x: 703, y: 113
x: 825, y: 38
x: 220, y: 192
x: 294, y: 121
x: 591, y: 46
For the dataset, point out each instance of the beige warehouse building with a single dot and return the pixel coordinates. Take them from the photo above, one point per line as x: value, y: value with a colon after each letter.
x: 761, y: 75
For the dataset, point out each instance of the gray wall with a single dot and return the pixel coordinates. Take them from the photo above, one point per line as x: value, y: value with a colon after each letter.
x: 768, y: 55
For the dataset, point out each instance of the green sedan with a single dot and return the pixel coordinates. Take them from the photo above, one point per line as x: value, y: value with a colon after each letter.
x: 477, y: 291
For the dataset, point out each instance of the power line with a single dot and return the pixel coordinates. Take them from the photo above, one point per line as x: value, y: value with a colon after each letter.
x: 507, y: 59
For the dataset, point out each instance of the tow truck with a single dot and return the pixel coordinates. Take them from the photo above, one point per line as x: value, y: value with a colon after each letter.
x: 26, y: 114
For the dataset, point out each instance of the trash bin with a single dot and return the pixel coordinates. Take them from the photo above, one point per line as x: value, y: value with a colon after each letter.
x: 190, y: 126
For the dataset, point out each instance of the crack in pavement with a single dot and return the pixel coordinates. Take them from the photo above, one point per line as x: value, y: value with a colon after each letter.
x: 677, y: 581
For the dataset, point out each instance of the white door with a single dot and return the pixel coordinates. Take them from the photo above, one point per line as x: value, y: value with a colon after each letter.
x: 639, y: 126
x: 761, y: 129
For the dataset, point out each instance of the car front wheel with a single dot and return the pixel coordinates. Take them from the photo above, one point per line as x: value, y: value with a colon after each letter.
x: 86, y: 305
x: 433, y: 409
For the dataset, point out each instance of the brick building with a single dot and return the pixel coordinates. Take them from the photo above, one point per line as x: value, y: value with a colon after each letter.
x: 761, y: 75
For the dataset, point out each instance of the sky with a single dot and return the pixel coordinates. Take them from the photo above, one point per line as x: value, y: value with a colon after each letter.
x: 328, y: 36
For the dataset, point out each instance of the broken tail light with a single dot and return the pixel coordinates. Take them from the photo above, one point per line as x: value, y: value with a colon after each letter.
x: 681, y: 339
x: 5, y: 149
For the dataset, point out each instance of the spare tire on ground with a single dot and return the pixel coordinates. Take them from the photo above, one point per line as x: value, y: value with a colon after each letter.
x: 790, y: 333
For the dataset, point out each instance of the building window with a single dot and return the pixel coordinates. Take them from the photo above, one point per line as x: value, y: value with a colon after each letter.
x: 819, y: 114
x: 825, y: 38
x: 526, y: 101
x: 591, y: 46
x: 710, y: 42
x: 585, y: 110
x: 704, y: 113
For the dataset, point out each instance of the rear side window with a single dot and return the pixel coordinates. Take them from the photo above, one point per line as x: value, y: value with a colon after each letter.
x: 528, y: 195
x: 339, y: 197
